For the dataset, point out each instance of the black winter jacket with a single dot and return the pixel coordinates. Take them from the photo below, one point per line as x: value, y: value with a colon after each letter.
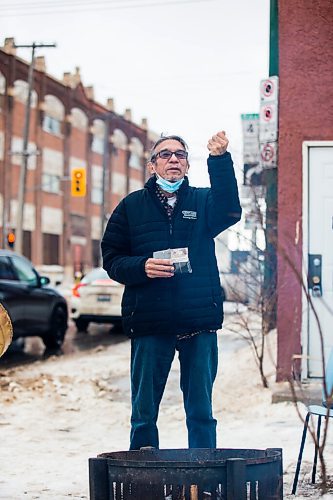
x: 139, y: 225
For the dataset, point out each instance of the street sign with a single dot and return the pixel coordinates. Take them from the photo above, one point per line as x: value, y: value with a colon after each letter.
x: 267, y: 113
x: 269, y: 89
x: 250, y: 126
x: 250, y: 146
x: 268, y: 154
x: 268, y: 122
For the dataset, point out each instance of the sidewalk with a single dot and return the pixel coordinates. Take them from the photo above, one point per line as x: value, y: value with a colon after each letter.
x: 308, y: 393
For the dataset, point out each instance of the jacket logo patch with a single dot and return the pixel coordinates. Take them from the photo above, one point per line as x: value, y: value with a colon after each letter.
x: 189, y: 214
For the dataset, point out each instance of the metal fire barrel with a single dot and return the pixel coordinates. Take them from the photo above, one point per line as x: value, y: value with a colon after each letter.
x: 187, y: 474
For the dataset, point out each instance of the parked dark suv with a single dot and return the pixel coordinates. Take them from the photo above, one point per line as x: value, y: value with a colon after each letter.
x: 34, y: 308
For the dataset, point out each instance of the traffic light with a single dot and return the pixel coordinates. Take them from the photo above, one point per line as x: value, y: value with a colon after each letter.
x: 11, y: 239
x: 78, y: 181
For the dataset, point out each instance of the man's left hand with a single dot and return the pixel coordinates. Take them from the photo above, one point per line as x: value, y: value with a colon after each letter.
x: 218, y: 144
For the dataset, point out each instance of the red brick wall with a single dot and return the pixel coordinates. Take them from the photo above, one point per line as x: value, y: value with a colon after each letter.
x: 305, y: 113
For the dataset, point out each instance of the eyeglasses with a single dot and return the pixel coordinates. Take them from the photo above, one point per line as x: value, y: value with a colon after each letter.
x: 165, y: 154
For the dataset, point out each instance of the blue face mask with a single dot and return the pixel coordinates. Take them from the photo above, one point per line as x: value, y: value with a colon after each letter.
x: 168, y: 186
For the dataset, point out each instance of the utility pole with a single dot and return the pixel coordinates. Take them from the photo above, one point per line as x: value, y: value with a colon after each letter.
x: 105, y: 169
x: 25, y: 153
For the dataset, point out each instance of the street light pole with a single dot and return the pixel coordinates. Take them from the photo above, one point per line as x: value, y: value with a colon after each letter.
x: 25, y: 153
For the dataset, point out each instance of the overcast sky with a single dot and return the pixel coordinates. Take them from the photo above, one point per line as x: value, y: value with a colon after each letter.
x: 190, y: 67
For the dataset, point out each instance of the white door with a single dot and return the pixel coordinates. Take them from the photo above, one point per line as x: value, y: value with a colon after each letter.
x: 320, y: 251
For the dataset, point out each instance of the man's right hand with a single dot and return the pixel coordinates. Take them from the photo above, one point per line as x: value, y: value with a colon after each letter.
x: 218, y: 144
x: 159, y: 268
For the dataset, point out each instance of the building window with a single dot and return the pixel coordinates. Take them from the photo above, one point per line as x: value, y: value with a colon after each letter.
x: 136, y: 149
x: 51, y: 183
x: 135, y: 161
x: 119, y: 139
x: 17, y: 149
x: 21, y: 88
x: 51, y: 248
x: 24, y: 271
x: 96, y: 253
x: 53, y: 162
x: 78, y: 225
x: 51, y: 125
x: 97, y: 195
x: 97, y: 184
x: 119, y: 183
x: 27, y: 244
x: 98, y: 133
x: 97, y: 145
x: 79, y: 119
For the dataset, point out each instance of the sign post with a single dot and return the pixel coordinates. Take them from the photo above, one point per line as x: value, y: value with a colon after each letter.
x: 251, y: 153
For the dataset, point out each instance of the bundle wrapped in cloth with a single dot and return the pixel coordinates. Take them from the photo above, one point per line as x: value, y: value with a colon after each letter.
x: 6, y: 330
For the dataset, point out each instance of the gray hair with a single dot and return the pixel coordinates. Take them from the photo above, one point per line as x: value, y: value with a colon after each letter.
x: 166, y: 138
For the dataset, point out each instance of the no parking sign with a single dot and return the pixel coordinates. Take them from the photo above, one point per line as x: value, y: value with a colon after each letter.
x: 268, y: 154
x: 268, y: 121
x: 269, y: 89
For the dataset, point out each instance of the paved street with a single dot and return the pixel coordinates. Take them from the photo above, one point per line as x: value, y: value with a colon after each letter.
x: 34, y: 349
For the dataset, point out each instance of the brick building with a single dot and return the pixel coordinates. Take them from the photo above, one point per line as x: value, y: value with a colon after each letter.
x: 305, y: 186
x: 68, y: 129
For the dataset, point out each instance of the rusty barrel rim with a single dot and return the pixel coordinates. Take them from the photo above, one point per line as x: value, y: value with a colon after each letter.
x: 189, y: 458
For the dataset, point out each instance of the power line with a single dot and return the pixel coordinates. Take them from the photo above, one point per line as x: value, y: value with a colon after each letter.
x: 185, y: 78
x: 78, y: 3
x: 52, y: 9
x: 51, y: 3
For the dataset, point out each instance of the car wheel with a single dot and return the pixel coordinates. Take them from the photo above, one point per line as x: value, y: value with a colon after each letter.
x: 54, y: 338
x: 117, y: 326
x: 17, y: 345
x: 81, y: 324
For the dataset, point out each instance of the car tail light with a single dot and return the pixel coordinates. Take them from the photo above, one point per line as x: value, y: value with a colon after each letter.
x: 75, y: 289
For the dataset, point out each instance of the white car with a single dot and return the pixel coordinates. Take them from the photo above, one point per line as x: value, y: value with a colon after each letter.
x: 96, y: 298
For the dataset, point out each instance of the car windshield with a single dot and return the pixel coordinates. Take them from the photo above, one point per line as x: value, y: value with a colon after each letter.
x: 95, y: 274
x: 24, y: 271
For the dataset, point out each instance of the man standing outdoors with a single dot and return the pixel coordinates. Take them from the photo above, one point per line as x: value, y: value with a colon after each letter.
x: 174, y: 302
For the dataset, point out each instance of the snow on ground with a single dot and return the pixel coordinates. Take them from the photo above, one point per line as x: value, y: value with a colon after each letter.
x: 55, y: 414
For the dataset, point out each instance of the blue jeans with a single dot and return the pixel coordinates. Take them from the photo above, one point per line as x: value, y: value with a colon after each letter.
x: 151, y: 359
